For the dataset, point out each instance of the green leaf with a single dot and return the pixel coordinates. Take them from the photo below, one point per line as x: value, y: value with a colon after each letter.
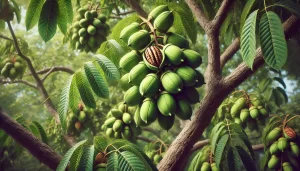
x: 233, y: 159
x: 63, y: 105
x: 263, y: 85
x: 84, y: 89
x: 277, y: 96
x: 227, y: 22
x: 65, y: 160
x: 280, y: 81
x: 248, y: 39
x: 245, y: 13
x: 215, y: 138
x: 283, y: 93
x: 33, y: 13
x: 140, y: 154
x: 108, y: 67
x: 130, y: 162
x: 96, y: 79
x: 69, y: 10
x: 34, y: 130
x: 2, y: 24
x: 17, y: 10
x: 112, y: 50
x: 100, y: 143
x: 290, y: 5
x: 87, y: 159
x: 186, y: 17
x: 42, y: 132
x: 264, y: 161
x: 246, y: 159
x: 273, y: 43
x: 196, y: 162
x: 208, y: 8
x: 74, y: 96
x: 220, y: 149
x: 3, y: 138
x: 62, y: 18
x: 239, y: 131
x: 75, y: 159
x: 113, y: 163
x: 48, y: 20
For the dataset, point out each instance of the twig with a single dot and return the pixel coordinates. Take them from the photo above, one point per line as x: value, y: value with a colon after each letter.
x: 152, y: 131
x: 55, y: 69
x: 47, y: 74
x: 18, y: 81
x: 144, y: 139
x: 229, y: 52
x: 6, y: 38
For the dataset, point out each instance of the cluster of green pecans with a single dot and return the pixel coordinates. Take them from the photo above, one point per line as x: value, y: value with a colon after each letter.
x: 156, y: 151
x: 248, y: 112
x: 119, y: 123
x: 284, y: 149
x: 160, y: 79
x: 88, y: 30
x: 12, y: 68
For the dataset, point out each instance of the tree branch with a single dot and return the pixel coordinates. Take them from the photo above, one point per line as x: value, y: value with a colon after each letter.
x: 6, y: 38
x: 25, y: 138
x: 199, y: 14
x: 55, y: 69
x: 47, y: 74
x: 136, y: 7
x: 221, y: 14
x: 39, y: 82
x: 2, y: 81
x: 152, y: 131
x: 230, y: 51
x: 144, y: 139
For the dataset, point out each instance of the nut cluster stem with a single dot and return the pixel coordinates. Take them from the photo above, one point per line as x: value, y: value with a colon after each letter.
x: 153, y: 30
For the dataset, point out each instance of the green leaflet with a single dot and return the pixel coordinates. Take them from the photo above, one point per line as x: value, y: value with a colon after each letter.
x: 112, y: 50
x: 248, y: 39
x: 130, y: 162
x: 41, y: 131
x: 62, y: 18
x: 109, y: 68
x: 233, y: 159
x: 246, y: 159
x: 220, y: 149
x: 74, y: 96
x: 65, y: 160
x: 87, y: 159
x: 64, y: 103
x: 84, y: 89
x: 75, y: 159
x: 273, y: 43
x: 215, y: 138
x: 17, y: 10
x: 48, y: 20
x: 100, y: 143
x: 113, y: 163
x: 96, y: 79
x: 289, y: 5
x: 280, y: 81
x: 245, y: 13
x: 33, y: 13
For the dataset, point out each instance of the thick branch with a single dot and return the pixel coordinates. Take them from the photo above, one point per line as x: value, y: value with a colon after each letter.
x: 39, y: 82
x: 25, y: 138
x: 199, y: 14
x: 18, y: 81
x: 136, y: 7
x: 221, y: 14
x: 56, y: 69
x: 230, y: 51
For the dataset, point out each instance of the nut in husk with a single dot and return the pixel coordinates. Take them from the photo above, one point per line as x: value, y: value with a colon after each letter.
x: 139, y: 40
x: 254, y: 113
x: 188, y: 75
x: 157, y: 11
x: 164, y: 21
x: 138, y: 73
x: 166, y: 104
x: 129, y: 30
x: 192, y: 58
x: 244, y: 115
x: 148, y: 110
x: 184, y: 110
x: 124, y: 82
x: 129, y: 60
x: 273, y: 162
x: 176, y: 39
x: 171, y: 82
x: 166, y: 122
x: 149, y: 86
x: 153, y: 57
x: 132, y: 96
x: 173, y: 54
x: 190, y: 94
x: 274, y: 134
x: 289, y: 133
x: 282, y: 144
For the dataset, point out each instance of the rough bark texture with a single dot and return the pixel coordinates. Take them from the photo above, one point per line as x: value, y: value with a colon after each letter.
x: 25, y: 138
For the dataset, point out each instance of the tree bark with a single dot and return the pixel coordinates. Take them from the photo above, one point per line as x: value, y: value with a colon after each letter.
x: 183, y: 143
x: 25, y: 138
